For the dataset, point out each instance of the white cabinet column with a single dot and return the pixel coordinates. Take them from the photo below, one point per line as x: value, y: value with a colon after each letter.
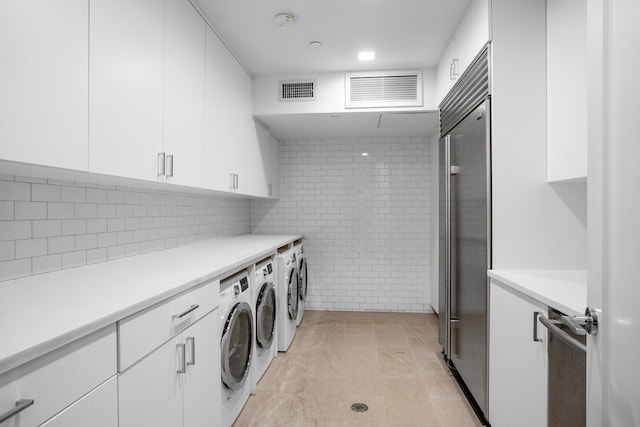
x: 44, y: 82
x: 184, y: 93
x: 125, y: 103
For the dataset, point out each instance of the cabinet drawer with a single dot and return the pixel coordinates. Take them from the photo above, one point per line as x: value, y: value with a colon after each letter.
x: 145, y: 331
x: 97, y: 409
x: 59, y: 378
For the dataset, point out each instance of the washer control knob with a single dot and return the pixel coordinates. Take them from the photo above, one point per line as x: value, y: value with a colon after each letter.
x: 236, y: 289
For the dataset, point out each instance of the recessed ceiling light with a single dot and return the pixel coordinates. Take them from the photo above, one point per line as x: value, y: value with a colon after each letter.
x: 366, y: 56
x: 315, y: 43
x: 284, y: 19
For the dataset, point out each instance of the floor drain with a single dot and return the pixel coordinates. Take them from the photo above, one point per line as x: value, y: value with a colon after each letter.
x: 359, y: 407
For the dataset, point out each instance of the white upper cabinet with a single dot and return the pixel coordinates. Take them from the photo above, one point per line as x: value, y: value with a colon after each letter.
x: 470, y: 37
x: 566, y: 90
x: 44, y: 82
x: 125, y: 121
x: 184, y: 93
x: 233, y: 157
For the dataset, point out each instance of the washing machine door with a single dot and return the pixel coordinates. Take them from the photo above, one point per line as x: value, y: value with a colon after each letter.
x: 293, y: 295
x: 266, y: 315
x: 303, y: 279
x: 236, y: 345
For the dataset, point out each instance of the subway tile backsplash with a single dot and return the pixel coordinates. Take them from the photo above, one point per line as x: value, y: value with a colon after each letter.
x: 366, y: 220
x: 48, y: 225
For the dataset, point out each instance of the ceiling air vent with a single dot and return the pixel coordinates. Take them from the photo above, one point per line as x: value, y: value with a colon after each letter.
x: 384, y: 89
x: 297, y: 90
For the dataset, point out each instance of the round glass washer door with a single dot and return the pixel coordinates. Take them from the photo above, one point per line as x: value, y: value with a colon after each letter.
x: 236, y: 345
x: 293, y: 295
x: 303, y: 279
x: 266, y: 315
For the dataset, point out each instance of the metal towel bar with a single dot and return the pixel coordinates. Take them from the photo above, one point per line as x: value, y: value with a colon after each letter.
x: 551, y: 325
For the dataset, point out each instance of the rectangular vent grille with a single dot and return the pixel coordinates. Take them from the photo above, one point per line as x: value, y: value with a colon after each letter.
x: 297, y: 90
x: 389, y: 89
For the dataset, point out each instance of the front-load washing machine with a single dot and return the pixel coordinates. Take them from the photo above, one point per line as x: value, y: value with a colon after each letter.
x: 265, y: 309
x: 287, y: 292
x: 301, y: 258
x: 236, y: 345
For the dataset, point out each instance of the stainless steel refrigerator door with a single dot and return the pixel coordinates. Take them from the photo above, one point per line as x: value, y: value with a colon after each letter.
x: 443, y: 244
x: 470, y: 233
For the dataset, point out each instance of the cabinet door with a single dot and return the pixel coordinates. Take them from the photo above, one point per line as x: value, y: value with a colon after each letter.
x: 150, y: 392
x: 184, y: 73
x: 230, y: 131
x: 517, y: 363
x: 202, y: 379
x: 43, y: 82
x: 99, y: 408
x: 566, y: 90
x: 125, y: 68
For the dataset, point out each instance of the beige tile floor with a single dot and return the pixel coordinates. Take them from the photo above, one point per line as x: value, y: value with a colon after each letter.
x: 390, y: 361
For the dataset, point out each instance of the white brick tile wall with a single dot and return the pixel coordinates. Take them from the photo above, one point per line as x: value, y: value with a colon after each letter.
x: 366, y: 220
x: 47, y: 228
x: 7, y: 250
x: 29, y: 248
x: 15, y: 269
x: 48, y: 225
x: 6, y: 210
x: 47, y: 263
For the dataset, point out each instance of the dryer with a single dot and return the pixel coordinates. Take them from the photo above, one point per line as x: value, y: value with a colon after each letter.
x: 236, y: 345
x: 264, y: 303
x: 288, y: 299
x: 302, y: 279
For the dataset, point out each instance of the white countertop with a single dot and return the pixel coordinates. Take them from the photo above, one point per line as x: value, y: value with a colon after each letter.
x: 565, y: 291
x: 41, y: 313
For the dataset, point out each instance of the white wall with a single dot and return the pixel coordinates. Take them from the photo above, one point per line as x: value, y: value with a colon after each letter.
x: 48, y: 225
x: 330, y: 95
x: 535, y: 225
x: 367, y: 220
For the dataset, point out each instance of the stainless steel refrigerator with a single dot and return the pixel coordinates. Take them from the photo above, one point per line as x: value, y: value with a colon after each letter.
x: 465, y: 230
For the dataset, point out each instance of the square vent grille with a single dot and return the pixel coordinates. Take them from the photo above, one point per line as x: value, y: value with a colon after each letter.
x: 297, y: 90
x: 384, y: 89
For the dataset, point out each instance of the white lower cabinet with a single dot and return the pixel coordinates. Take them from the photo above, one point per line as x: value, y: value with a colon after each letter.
x: 178, y: 384
x: 99, y: 408
x: 517, y: 362
x: 61, y: 379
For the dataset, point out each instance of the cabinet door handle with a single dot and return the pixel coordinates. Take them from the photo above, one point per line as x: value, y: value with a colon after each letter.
x: 192, y: 348
x: 187, y: 311
x: 183, y: 359
x: 21, y: 405
x: 170, y: 165
x: 535, y: 326
x: 161, y: 161
x: 232, y: 181
x: 236, y: 181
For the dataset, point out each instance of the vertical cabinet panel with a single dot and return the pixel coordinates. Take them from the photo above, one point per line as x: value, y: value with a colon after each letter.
x: 219, y: 147
x: 232, y: 145
x: 125, y: 121
x: 150, y: 393
x: 566, y: 90
x: 517, y: 364
x: 184, y: 92
x: 44, y: 82
x: 202, y: 380
x: 274, y: 168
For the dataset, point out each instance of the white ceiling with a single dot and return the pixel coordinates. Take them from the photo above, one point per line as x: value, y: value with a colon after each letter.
x: 405, y: 34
